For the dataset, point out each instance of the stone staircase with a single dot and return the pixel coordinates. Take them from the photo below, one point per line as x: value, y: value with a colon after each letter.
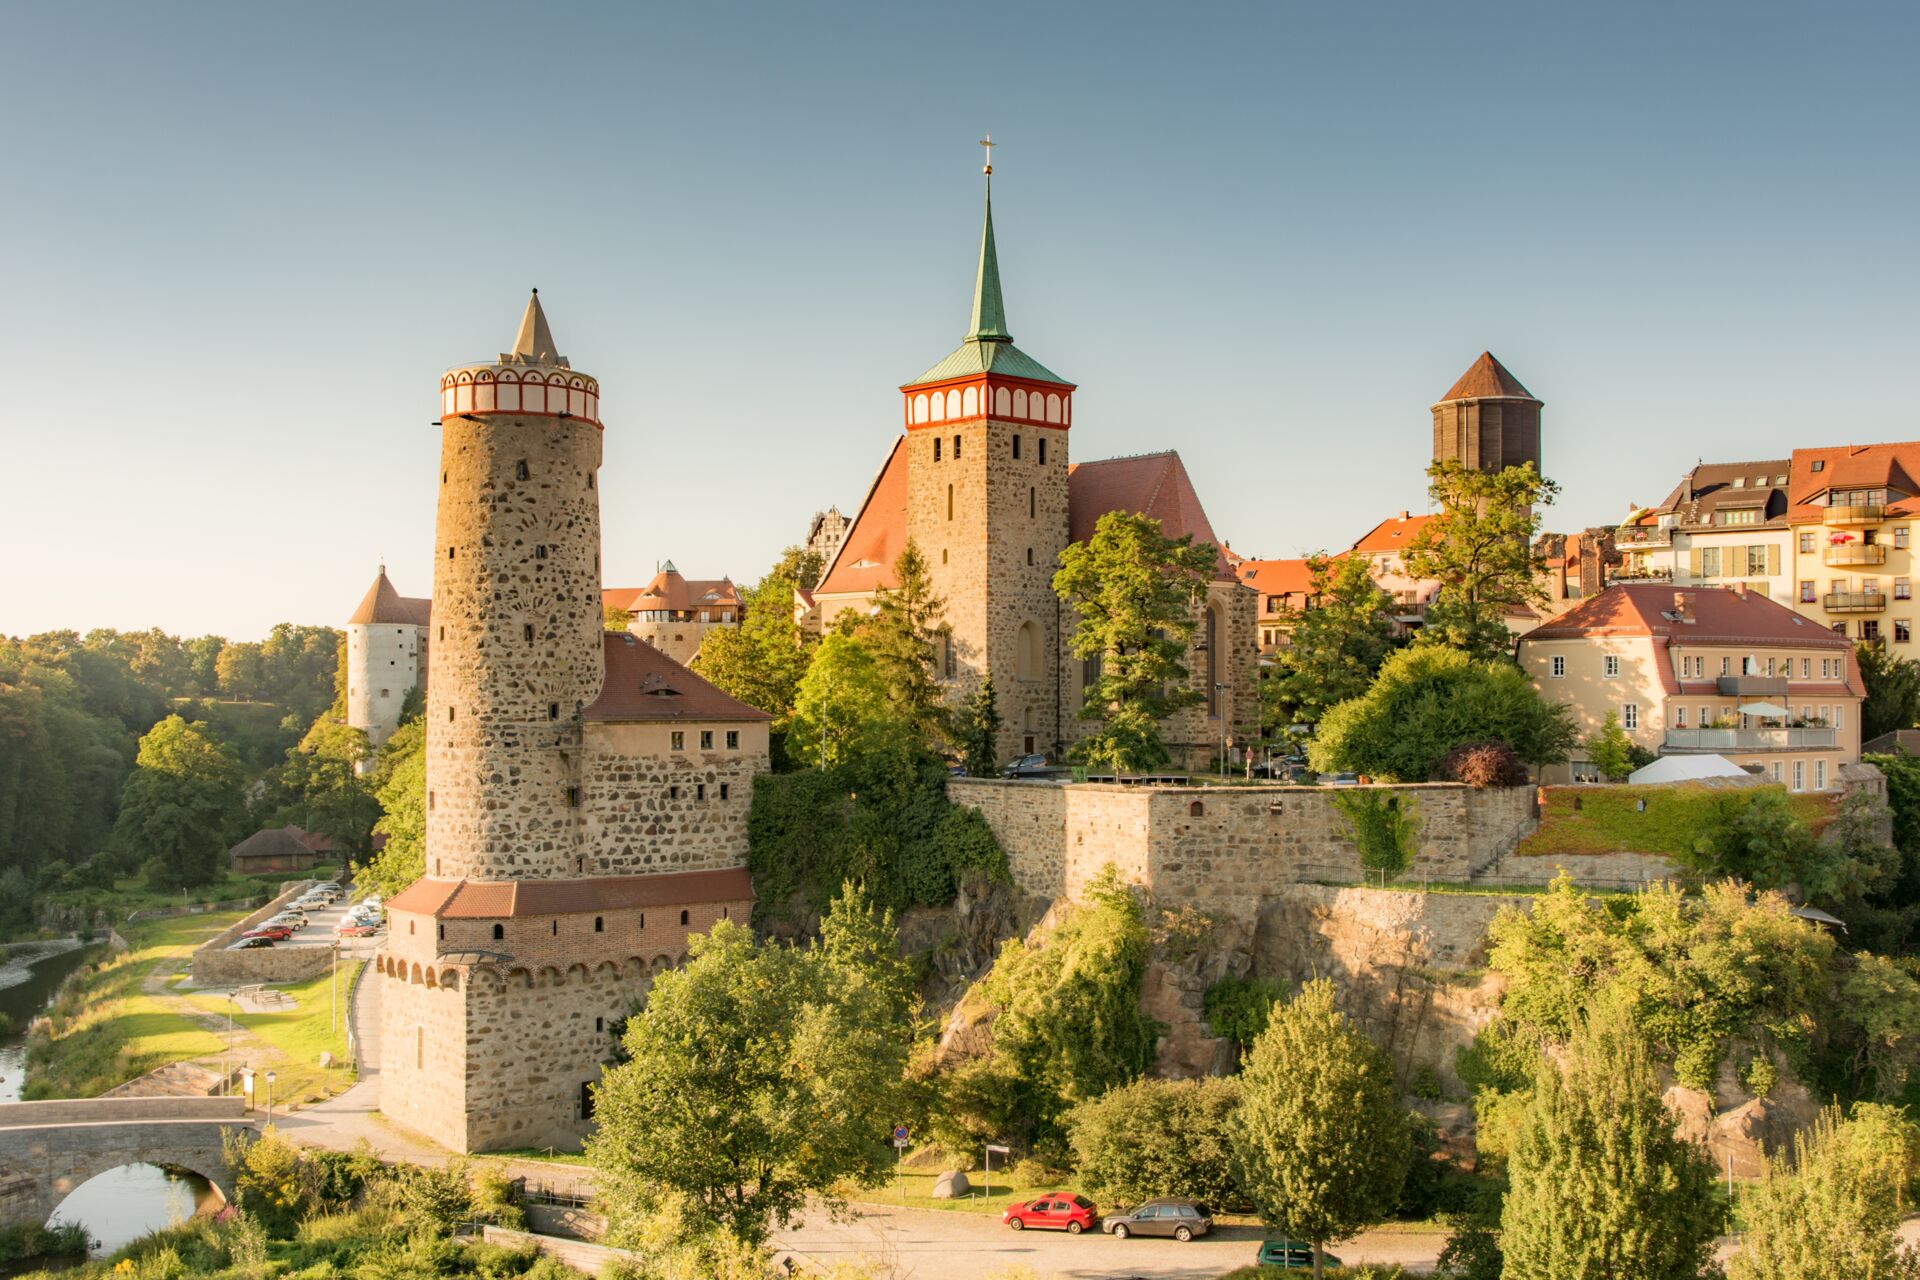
x: 174, y: 1080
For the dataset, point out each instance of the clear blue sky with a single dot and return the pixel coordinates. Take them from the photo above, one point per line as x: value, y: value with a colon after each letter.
x: 242, y: 241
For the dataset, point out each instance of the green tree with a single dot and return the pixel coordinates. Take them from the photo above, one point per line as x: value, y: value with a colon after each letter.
x: 1601, y: 1185
x: 1238, y: 1008
x: 614, y: 618
x: 1479, y: 548
x: 903, y: 637
x: 400, y: 785
x: 758, y: 1077
x: 1893, y: 691
x: 318, y: 788
x: 977, y: 729
x: 1428, y: 700
x: 1158, y: 1138
x: 1334, y: 646
x: 181, y: 806
x: 1321, y: 1140
x: 762, y: 661
x: 1134, y: 593
x: 845, y: 708
x: 1833, y: 1208
x: 1611, y: 750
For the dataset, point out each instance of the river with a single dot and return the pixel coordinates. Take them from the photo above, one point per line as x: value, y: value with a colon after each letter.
x: 123, y: 1204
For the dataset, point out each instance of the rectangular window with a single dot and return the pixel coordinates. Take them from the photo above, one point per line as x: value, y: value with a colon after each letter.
x: 1799, y: 775
x: 1043, y: 448
x: 699, y: 791
x: 1839, y: 714
x: 1709, y: 562
x: 1870, y: 585
x: 1774, y: 769
x: 1559, y: 667
x: 679, y: 740
x: 1706, y: 716
x: 1679, y: 717
x: 1839, y: 628
x: 1770, y: 662
x: 1806, y: 591
x: 1610, y: 666
x: 1726, y: 666
x: 1900, y: 537
x: 1870, y: 629
x: 1819, y: 775
x: 1902, y: 631
x: 956, y: 448
x: 936, y: 458
x: 1806, y: 543
x: 1757, y: 561
x: 1903, y: 588
x: 1016, y: 446
x: 733, y: 739
x: 1630, y: 715
x: 1806, y: 668
x: 706, y: 739
x: 726, y: 789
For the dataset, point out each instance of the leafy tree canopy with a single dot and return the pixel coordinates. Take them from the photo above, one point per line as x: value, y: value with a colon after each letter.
x: 1429, y: 699
x: 1480, y: 550
x: 1893, y: 691
x: 1334, y: 647
x: 762, y: 660
x: 1156, y: 1138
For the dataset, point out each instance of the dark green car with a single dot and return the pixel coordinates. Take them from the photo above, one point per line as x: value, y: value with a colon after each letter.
x: 1290, y: 1255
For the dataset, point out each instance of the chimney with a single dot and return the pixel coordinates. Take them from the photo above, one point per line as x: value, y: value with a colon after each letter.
x: 1740, y: 589
x: 1405, y: 514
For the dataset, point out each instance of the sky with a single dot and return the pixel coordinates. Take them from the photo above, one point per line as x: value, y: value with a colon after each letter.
x: 239, y: 243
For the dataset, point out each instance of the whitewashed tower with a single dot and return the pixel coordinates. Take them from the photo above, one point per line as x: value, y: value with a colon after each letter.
x: 516, y: 612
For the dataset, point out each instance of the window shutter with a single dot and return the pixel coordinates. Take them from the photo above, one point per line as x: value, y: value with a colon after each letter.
x: 1693, y: 554
x: 1773, y: 558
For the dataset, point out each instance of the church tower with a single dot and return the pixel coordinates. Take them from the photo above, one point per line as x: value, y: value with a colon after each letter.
x: 1487, y: 420
x: 987, y: 505
x: 516, y: 612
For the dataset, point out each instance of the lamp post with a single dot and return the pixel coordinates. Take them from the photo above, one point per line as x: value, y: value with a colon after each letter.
x: 270, y: 1078
x: 333, y: 988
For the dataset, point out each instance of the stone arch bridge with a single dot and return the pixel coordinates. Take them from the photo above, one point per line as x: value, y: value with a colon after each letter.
x: 49, y: 1148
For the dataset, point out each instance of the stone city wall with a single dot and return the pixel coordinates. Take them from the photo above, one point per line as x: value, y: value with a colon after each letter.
x: 423, y: 1066
x: 1594, y: 870
x: 1224, y: 849
x: 215, y: 966
x: 561, y: 940
x: 650, y: 807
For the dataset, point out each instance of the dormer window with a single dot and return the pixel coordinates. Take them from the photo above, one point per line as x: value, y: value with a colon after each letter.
x: 1819, y: 464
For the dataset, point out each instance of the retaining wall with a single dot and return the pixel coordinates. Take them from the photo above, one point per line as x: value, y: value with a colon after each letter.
x: 215, y: 966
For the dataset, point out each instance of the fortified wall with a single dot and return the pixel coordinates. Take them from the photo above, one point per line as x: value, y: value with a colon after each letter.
x: 1224, y: 850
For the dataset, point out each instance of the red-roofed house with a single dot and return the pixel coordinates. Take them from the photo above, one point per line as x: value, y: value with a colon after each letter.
x: 1852, y: 510
x: 1385, y: 545
x: 980, y: 481
x: 1694, y: 671
x: 1282, y: 588
x: 673, y: 613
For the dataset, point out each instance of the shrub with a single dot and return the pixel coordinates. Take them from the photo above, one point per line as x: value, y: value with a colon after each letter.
x: 1158, y: 1138
x: 1482, y: 764
x: 1385, y: 828
x: 1237, y: 1008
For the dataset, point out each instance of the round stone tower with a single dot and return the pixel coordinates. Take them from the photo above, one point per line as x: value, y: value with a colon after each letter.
x: 516, y: 636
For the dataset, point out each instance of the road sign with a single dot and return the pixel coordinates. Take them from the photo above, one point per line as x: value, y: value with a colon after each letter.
x: 900, y: 1137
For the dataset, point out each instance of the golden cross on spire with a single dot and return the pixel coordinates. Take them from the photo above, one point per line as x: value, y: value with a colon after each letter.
x: 988, y: 143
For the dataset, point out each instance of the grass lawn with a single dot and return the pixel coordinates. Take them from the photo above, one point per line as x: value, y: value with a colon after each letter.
x: 302, y: 1033
x: 107, y: 1031
x: 918, y: 1189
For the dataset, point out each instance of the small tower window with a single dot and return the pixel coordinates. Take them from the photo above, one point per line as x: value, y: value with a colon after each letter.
x: 1033, y: 504
x: 553, y: 711
x: 556, y: 928
x: 499, y: 932
x: 599, y: 924
x: 443, y: 477
x: 643, y: 919
x: 449, y: 553
x: 540, y: 552
x: 1029, y: 555
x: 573, y: 797
x: 1016, y: 446
x: 527, y: 632
x: 683, y: 917
x: 1043, y: 448
x: 949, y: 502
x: 449, y: 715
x: 699, y: 791
x: 589, y: 479
x: 725, y: 790
x: 520, y: 469
x: 443, y: 633
x: 956, y: 448
x: 429, y: 799
x: 936, y: 448
x: 600, y: 1024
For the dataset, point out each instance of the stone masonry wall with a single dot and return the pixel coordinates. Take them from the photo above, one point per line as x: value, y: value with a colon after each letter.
x: 650, y: 808
x: 215, y: 966
x: 533, y: 1042
x: 1224, y: 849
x: 423, y: 1055
x: 516, y: 644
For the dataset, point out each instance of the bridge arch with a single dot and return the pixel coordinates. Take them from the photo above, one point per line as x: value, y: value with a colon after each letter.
x: 60, y: 1146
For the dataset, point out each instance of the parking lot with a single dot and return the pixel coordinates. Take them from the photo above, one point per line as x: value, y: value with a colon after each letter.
x: 318, y: 932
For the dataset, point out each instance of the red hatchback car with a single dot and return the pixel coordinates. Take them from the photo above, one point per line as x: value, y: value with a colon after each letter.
x: 1055, y: 1211
x: 278, y: 932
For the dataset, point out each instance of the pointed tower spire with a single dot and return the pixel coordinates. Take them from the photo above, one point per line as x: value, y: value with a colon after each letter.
x: 989, y: 309
x: 535, y: 343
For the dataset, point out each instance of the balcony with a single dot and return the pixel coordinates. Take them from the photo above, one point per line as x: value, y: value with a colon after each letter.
x: 1855, y: 513
x: 1854, y: 553
x: 1854, y: 601
x: 1643, y: 539
x: 1782, y: 739
x: 1774, y: 687
x: 1640, y: 573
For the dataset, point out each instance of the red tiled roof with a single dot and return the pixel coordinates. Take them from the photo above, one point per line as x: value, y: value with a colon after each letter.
x: 1153, y: 484
x: 1858, y: 466
x: 502, y: 899
x: 382, y: 604
x: 1391, y: 534
x: 1277, y: 577
x: 1720, y: 616
x: 645, y: 684
x: 878, y: 535
x: 1488, y: 379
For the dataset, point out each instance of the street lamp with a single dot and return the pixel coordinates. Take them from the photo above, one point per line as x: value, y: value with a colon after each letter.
x: 270, y: 1079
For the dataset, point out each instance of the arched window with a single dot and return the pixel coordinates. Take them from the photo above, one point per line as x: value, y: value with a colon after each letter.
x: 683, y: 917
x: 499, y: 932
x: 953, y: 403
x: 939, y: 407
x: 970, y: 402
x: 1019, y: 404
x: 1027, y: 652
x: 1196, y: 810
x: 1053, y: 408
x: 1002, y: 402
x: 920, y: 408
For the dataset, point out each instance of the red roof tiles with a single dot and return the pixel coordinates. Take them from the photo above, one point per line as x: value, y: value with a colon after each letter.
x: 382, y: 604
x: 645, y: 684
x: 1392, y: 534
x: 502, y: 899
x: 1277, y: 577
x: 1153, y: 484
x: 1487, y: 379
x: 1859, y: 466
x: 879, y: 532
x: 1719, y: 616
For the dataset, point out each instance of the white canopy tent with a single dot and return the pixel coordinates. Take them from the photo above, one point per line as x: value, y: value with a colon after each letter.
x: 1687, y: 769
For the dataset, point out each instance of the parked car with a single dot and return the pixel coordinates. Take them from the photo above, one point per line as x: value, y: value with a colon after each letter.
x: 1025, y: 767
x: 249, y: 942
x: 271, y: 932
x: 1181, y: 1219
x: 1339, y: 779
x: 348, y: 930
x: 1055, y: 1211
x: 1290, y: 1255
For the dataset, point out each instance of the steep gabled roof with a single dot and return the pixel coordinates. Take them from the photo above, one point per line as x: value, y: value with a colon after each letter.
x: 1392, y: 534
x: 1761, y: 485
x: 645, y: 684
x: 1719, y: 617
x: 383, y: 604
x: 878, y: 534
x: 1858, y: 466
x: 669, y: 590
x: 1487, y: 379
x: 273, y: 842
x: 1153, y: 484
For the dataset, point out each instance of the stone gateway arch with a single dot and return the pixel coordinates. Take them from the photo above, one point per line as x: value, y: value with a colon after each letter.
x: 47, y: 1149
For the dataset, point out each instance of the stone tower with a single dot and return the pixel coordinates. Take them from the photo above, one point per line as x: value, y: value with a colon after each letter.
x: 386, y: 652
x: 1487, y: 419
x: 987, y: 505
x: 516, y: 613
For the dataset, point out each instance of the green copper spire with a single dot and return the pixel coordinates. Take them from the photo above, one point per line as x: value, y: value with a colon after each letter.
x: 989, y: 309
